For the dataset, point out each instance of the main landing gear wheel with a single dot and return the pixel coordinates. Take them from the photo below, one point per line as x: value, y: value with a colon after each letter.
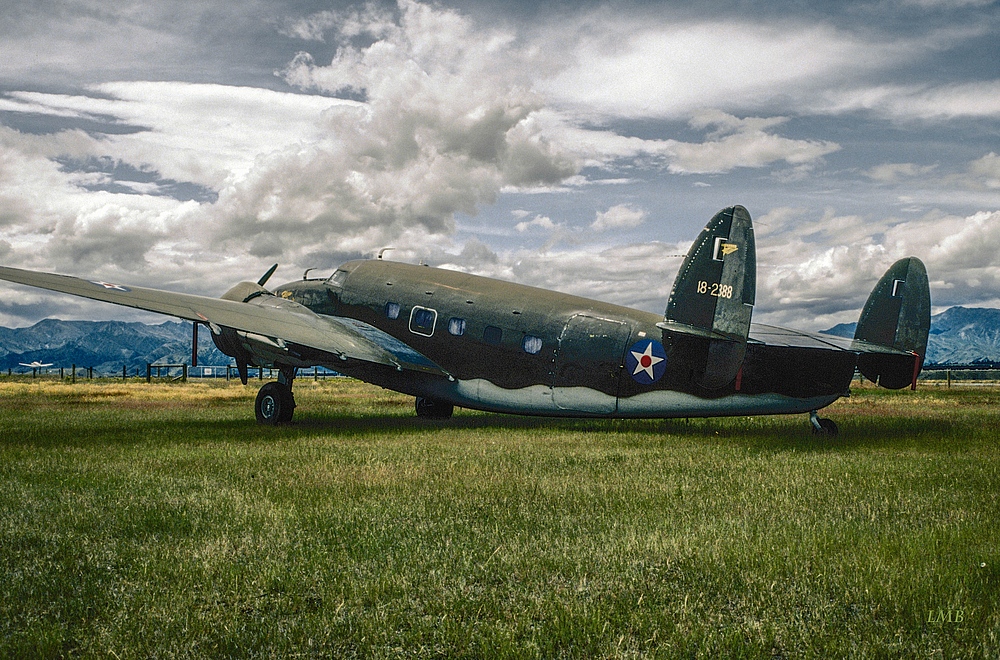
x: 274, y: 405
x: 432, y: 409
x: 822, y: 425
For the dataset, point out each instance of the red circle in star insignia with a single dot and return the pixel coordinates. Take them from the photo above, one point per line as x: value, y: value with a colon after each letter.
x: 646, y: 361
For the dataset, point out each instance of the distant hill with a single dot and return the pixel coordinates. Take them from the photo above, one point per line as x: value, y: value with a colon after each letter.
x: 959, y: 335
x: 105, y: 345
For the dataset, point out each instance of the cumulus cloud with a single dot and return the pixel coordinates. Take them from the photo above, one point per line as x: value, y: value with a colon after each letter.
x: 622, y: 216
x: 893, y: 172
x: 730, y: 142
x: 367, y: 19
x: 742, y: 143
x: 911, y: 102
x: 539, y: 221
x: 823, y: 267
x: 443, y: 131
x: 987, y: 170
x: 651, y: 67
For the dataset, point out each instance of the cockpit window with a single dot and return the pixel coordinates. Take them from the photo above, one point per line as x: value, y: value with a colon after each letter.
x: 338, y: 278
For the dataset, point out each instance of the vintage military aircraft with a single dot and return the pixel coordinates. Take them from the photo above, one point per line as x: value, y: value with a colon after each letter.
x: 453, y: 339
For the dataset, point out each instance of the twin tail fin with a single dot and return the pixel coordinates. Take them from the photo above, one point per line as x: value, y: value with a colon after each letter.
x: 713, y: 296
x: 897, y: 316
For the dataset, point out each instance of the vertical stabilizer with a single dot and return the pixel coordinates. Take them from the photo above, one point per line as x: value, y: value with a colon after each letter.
x: 897, y: 315
x: 713, y: 294
x: 716, y: 285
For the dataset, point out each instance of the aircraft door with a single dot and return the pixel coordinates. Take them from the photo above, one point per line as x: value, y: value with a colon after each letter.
x: 587, y: 368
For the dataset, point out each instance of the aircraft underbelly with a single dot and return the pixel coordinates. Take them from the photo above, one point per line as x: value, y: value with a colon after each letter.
x: 549, y: 401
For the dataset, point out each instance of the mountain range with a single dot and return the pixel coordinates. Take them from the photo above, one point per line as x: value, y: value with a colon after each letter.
x: 959, y: 335
x: 106, y: 346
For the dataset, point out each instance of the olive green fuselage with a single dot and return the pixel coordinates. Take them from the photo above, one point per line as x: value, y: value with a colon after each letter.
x: 519, y: 349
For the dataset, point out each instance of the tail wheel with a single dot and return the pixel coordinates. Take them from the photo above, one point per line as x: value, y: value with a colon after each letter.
x: 274, y: 404
x: 433, y: 409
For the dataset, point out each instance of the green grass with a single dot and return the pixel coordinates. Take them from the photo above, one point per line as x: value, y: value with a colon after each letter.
x: 159, y: 521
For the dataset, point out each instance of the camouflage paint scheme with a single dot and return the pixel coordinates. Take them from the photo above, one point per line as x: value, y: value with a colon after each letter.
x: 451, y: 338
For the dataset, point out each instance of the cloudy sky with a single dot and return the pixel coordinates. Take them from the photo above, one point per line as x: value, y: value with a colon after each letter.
x: 580, y: 146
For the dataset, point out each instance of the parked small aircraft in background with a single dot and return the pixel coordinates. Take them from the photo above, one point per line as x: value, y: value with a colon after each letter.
x: 453, y: 339
x: 35, y: 366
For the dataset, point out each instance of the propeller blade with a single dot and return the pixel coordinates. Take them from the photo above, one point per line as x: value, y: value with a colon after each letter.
x: 265, y: 277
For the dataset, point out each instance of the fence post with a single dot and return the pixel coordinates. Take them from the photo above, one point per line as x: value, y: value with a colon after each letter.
x: 74, y: 374
x: 149, y: 373
x: 184, y: 373
x: 948, y: 372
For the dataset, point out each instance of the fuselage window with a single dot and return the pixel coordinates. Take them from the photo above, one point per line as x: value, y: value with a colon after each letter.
x: 456, y: 326
x: 392, y: 310
x: 422, y: 321
x: 492, y: 335
x: 531, y: 344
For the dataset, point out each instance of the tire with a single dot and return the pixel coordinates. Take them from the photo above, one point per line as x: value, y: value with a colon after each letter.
x: 432, y: 409
x: 274, y: 405
x: 828, y: 427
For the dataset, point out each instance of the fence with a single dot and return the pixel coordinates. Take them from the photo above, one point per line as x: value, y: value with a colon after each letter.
x: 173, y: 372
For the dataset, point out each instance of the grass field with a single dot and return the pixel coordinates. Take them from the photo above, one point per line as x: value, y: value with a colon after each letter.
x: 160, y: 521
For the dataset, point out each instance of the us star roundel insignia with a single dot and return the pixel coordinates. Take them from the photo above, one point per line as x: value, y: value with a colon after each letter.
x: 646, y: 361
x: 113, y: 287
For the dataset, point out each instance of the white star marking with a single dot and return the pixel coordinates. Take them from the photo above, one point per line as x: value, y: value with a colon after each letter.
x: 645, y: 361
x: 109, y: 285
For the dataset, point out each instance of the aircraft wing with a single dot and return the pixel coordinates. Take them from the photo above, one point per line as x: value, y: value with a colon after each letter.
x: 266, y: 316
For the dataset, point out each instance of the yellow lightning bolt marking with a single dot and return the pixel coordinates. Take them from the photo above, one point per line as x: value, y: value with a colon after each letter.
x: 729, y: 248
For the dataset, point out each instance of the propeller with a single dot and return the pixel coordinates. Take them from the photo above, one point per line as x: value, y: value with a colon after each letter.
x: 266, y: 276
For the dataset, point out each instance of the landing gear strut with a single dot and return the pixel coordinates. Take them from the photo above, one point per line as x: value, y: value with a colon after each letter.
x: 275, y: 403
x: 822, y: 425
x: 433, y: 409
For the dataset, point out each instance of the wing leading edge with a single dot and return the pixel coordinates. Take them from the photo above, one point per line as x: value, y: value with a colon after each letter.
x: 263, y: 315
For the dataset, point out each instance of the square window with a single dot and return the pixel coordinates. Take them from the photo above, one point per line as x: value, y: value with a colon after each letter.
x: 898, y: 286
x: 492, y: 335
x: 531, y: 345
x: 456, y: 326
x: 422, y: 321
x: 392, y: 310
